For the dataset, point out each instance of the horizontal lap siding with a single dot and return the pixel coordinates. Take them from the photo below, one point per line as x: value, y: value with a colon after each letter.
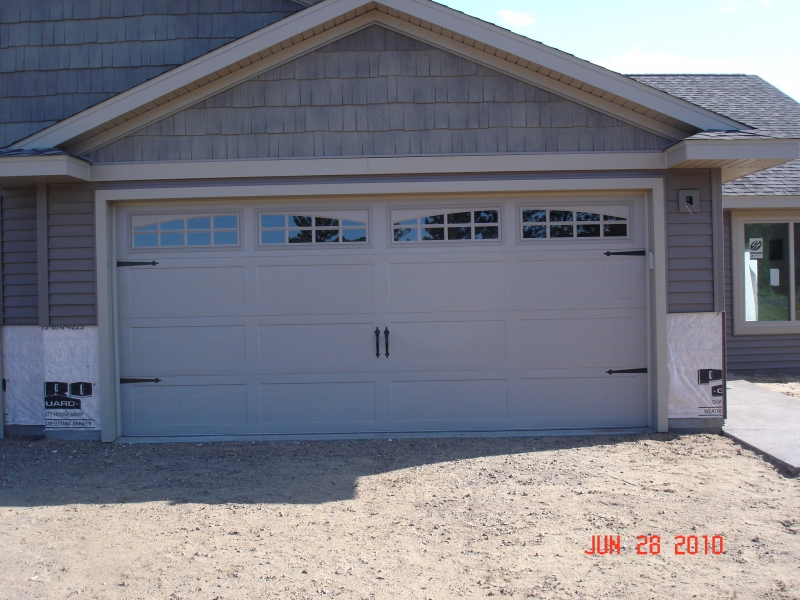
x: 755, y: 353
x: 377, y: 92
x: 20, y: 287
x: 690, y: 245
x: 71, y: 254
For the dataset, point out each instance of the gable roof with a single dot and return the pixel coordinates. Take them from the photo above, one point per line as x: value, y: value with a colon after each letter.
x: 523, y: 58
x: 70, y: 55
x: 751, y: 100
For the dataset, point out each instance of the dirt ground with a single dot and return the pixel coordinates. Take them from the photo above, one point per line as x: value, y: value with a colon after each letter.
x: 430, y: 518
x: 785, y: 384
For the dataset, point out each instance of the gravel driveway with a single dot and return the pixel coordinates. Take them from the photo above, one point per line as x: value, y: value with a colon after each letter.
x: 431, y: 518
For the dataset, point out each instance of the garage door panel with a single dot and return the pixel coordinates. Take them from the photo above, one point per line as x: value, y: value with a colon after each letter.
x: 583, y: 342
x: 451, y: 283
x: 317, y: 343
x: 445, y: 401
x: 175, y: 405
x: 181, y: 287
x: 318, y: 402
x: 330, y: 285
x: 612, y: 282
x: 188, y: 346
x: 585, y: 399
x: 448, y: 341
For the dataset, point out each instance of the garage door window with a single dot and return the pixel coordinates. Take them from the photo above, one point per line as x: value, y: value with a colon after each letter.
x: 572, y: 223
x: 461, y: 225
x: 195, y: 231
x: 279, y: 229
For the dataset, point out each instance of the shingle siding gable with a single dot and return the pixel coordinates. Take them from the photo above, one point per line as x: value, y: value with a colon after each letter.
x: 59, y: 57
x: 378, y: 92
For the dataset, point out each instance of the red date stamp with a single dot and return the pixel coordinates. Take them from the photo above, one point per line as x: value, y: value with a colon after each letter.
x: 684, y: 545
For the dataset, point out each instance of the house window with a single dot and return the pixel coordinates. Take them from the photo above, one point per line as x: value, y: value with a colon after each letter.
x: 574, y: 223
x: 770, y: 271
x: 457, y: 225
x: 766, y: 273
x: 310, y: 228
x: 189, y: 232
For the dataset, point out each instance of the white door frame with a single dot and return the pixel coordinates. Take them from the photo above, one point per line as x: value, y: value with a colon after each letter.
x: 651, y: 187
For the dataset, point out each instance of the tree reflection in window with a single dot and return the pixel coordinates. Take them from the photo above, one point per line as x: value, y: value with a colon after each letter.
x: 540, y: 223
x: 278, y: 229
x: 461, y: 225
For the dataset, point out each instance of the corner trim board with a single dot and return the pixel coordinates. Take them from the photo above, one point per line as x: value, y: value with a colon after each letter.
x: 42, y: 262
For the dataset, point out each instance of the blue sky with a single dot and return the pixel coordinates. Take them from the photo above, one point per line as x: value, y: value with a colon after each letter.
x: 758, y: 37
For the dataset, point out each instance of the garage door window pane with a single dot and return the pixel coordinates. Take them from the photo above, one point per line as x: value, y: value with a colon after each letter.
x: 273, y: 237
x: 354, y: 235
x: 273, y: 221
x: 172, y: 239
x: 560, y: 231
x: 615, y: 230
x: 145, y: 240
x: 202, y: 223
x: 198, y: 238
x: 432, y: 234
x: 766, y: 271
x: 302, y: 236
x: 459, y: 233
x: 226, y: 238
x: 327, y: 235
x: 534, y: 216
x: 560, y: 215
x: 588, y: 230
x: 171, y: 225
x: 534, y: 232
x: 487, y: 233
x: 486, y: 216
x: 406, y: 234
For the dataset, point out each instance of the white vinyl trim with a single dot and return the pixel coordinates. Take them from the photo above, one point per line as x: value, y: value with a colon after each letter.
x: 738, y: 220
x: 378, y: 165
x: 653, y: 188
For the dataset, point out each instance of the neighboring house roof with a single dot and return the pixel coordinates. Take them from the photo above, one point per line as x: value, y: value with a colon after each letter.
x: 70, y: 55
x: 30, y: 152
x: 751, y: 100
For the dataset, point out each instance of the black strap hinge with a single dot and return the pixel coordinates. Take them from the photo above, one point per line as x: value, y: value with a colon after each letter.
x: 612, y: 371
x: 138, y: 380
x: 136, y: 263
x: 626, y: 253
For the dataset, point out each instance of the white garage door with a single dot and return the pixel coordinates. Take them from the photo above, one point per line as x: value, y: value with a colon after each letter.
x: 382, y: 316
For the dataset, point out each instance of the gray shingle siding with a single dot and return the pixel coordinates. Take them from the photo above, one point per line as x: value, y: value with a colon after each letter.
x: 20, y: 285
x: 690, y: 245
x: 71, y: 55
x: 755, y: 353
x: 71, y: 256
x: 377, y: 92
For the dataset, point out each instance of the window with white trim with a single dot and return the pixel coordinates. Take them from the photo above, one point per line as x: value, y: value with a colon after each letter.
x: 349, y: 227
x: 446, y: 226
x: 574, y: 223
x: 771, y: 257
x: 166, y: 231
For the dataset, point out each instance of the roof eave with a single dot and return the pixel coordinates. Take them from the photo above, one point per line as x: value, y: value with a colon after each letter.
x: 736, y: 158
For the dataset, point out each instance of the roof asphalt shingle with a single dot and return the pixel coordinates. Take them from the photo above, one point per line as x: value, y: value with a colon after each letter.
x: 749, y: 100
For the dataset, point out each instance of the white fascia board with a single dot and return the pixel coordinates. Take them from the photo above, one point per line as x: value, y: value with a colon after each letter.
x: 410, y: 165
x: 782, y: 150
x: 60, y: 165
x: 760, y: 202
x: 319, y: 14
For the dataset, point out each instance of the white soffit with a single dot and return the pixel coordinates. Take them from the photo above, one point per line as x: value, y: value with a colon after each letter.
x: 438, y: 25
x: 736, y: 158
x: 760, y: 202
x: 22, y: 171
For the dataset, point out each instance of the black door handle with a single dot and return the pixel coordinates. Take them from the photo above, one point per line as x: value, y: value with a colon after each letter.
x: 386, y: 335
x: 377, y: 342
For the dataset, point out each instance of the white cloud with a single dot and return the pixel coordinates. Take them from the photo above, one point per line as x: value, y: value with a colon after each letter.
x: 637, y: 61
x: 515, y: 19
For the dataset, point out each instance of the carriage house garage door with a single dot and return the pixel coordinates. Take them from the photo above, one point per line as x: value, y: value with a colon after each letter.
x: 492, y: 314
